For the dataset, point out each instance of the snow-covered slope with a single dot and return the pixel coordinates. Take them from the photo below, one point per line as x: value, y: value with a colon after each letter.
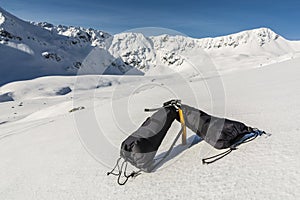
x: 29, y: 50
x: 237, y: 51
x: 79, y: 34
x: 259, y: 46
x: 42, y: 156
x: 247, y: 49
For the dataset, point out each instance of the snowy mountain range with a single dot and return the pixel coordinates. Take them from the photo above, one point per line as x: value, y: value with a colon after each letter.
x: 42, y: 49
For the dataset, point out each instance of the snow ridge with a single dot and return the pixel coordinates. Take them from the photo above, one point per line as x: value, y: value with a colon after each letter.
x: 95, y: 37
x: 260, y: 36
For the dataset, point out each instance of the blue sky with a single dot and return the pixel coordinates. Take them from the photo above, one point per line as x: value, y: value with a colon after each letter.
x: 198, y: 19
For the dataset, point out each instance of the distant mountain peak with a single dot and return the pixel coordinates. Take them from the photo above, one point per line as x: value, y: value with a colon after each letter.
x: 260, y: 36
x: 263, y: 33
x: 96, y: 37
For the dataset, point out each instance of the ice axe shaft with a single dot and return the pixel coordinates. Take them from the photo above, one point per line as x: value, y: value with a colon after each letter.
x: 183, y: 138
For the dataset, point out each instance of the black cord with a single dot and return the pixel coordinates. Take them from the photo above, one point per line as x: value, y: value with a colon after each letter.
x: 232, y: 147
x: 112, y: 171
x: 218, y: 157
x: 123, y: 170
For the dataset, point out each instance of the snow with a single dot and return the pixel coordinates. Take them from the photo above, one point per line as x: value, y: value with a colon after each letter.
x: 2, y: 18
x: 42, y: 156
x: 48, y: 152
x: 97, y: 37
x: 260, y: 36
